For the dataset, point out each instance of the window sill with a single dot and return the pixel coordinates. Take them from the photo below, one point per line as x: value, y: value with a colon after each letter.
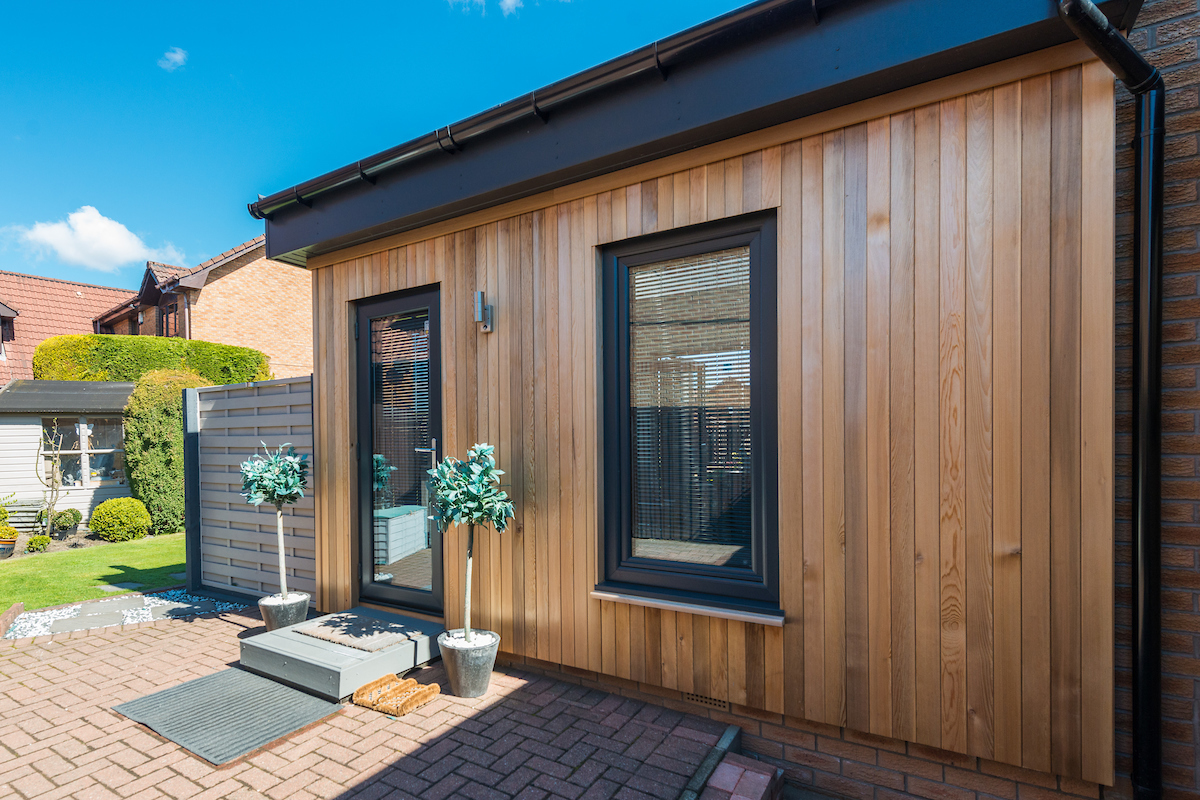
x: 754, y: 617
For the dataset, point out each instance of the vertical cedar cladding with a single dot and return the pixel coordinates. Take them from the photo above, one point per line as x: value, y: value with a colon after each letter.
x: 945, y: 421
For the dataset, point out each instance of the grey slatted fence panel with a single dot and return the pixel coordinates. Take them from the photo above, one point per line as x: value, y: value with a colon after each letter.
x: 237, y: 540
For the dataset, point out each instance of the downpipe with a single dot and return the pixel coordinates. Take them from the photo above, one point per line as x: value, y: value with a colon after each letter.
x: 1146, y: 85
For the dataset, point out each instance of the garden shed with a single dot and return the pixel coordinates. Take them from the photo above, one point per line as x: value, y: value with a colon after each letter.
x: 88, y: 418
x: 798, y: 352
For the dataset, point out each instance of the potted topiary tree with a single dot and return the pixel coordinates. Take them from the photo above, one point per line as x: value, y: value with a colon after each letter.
x: 280, y: 479
x: 468, y: 493
x: 8, y: 534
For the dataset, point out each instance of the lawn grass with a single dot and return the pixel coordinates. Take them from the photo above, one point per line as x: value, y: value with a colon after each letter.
x: 69, y: 576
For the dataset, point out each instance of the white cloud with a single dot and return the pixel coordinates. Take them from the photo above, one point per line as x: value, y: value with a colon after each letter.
x: 509, y: 6
x: 89, y: 239
x: 173, y: 59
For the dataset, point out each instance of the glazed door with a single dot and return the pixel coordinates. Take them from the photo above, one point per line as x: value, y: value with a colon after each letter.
x: 399, y: 412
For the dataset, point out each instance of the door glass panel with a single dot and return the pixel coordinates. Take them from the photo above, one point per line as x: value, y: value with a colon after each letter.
x: 401, y: 454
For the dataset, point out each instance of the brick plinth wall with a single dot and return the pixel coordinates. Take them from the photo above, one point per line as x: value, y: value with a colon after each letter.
x: 843, y: 762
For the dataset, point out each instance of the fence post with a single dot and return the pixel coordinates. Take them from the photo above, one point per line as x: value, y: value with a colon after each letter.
x: 191, y: 485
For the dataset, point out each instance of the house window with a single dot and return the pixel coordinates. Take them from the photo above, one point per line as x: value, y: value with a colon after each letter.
x: 168, y: 320
x: 690, y: 414
x: 91, y: 450
x: 7, y: 330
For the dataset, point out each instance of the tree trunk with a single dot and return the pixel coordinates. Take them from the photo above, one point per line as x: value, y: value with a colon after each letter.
x: 283, y: 592
x: 467, y: 595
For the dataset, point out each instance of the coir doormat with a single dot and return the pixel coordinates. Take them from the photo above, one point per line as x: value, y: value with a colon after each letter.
x: 225, y: 715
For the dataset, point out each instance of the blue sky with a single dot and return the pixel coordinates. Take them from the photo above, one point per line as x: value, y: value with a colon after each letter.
x: 140, y: 131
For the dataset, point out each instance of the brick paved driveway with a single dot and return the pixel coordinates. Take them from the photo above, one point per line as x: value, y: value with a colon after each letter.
x: 529, y: 738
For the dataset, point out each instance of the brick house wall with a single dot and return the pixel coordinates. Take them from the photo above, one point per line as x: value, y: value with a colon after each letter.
x: 844, y: 762
x: 255, y: 302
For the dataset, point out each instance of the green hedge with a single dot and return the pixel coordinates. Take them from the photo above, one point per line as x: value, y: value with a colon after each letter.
x: 120, y: 519
x: 103, y: 357
x: 154, y: 444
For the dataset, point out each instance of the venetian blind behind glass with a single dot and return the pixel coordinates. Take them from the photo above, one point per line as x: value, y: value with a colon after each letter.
x: 400, y: 394
x: 689, y: 390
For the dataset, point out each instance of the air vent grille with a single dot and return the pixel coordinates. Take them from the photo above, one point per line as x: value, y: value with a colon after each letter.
x: 711, y: 702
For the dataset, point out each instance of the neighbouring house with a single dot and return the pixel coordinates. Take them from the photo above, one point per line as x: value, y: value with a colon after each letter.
x: 85, y: 418
x: 32, y: 309
x: 804, y: 337
x: 239, y: 298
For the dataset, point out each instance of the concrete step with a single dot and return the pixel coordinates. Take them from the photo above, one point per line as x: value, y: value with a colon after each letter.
x: 331, y: 670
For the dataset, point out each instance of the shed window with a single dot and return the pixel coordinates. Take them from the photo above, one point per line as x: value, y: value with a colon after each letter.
x: 91, y: 449
x: 690, y: 482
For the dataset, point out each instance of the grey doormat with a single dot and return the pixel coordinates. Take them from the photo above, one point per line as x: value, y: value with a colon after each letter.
x: 227, y: 714
x: 354, y: 630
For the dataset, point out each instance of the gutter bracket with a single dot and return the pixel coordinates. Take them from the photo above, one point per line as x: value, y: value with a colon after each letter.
x: 662, y: 70
x: 299, y: 198
x: 537, y: 112
x: 816, y: 13
x: 364, y: 176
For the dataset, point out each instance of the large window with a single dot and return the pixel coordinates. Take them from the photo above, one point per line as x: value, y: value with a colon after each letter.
x: 91, y: 450
x: 690, y: 414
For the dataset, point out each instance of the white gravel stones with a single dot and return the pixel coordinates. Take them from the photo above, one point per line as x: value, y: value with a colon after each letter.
x: 37, y: 623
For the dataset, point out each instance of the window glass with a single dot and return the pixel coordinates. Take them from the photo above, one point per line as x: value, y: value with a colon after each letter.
x: 689, y: 415
x: 72, y: 474
x: 107, y: 467
x: 60, y: 433
x: 106, y: 434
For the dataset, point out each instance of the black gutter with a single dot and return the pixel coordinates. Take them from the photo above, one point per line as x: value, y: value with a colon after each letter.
x: 1146, y: 84
x: 660, y: 56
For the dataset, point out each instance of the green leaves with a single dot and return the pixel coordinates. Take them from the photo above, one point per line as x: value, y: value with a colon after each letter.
x: 468, y: 492
x: 278, y: 478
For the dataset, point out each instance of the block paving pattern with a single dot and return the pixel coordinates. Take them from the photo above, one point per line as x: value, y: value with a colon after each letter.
x: 531, y: 737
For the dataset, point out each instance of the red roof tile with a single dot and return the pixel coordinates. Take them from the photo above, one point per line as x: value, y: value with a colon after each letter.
x: 48, y: 308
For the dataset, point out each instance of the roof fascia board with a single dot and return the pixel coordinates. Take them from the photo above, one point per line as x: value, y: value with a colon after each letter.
x: 8, y: 311
x: 860, y: 49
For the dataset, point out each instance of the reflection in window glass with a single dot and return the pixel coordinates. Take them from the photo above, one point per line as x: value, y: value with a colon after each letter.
x: 107, y: 467
x: 72, y: 472
x: 64, y: 427
x: 689, y: 390
x: 106, y: 434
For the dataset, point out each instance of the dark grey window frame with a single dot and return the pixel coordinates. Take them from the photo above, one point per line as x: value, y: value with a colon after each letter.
x: 757, y: 589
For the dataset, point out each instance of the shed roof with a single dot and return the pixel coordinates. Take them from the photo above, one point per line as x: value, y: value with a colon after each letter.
x: 64, y: 397
x: 769, y: 62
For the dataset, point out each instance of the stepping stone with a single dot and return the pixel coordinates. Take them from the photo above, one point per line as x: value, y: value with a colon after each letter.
x: 120, y: 604
x: 120, y: 587
x: 172, y: 610
x: 179, y: 576
x: 84, y: 623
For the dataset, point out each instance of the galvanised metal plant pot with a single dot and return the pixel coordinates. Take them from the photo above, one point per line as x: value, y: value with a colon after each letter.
x: 279, y: 612
x: 469, y: 666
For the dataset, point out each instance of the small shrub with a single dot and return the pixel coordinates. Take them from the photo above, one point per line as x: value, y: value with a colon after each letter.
x: 8, y: 532
x: 120, y: 520
x: 154, y: 444
x: 62, y: 519
x: 37, y: 544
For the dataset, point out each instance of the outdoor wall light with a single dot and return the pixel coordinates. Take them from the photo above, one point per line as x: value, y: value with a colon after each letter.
x: 483, y: 313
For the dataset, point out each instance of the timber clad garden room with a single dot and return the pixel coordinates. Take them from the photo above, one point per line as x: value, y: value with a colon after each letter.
x: 795, y: 336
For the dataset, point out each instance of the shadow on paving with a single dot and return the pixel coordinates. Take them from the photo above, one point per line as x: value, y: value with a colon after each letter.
x: 535, y: 738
